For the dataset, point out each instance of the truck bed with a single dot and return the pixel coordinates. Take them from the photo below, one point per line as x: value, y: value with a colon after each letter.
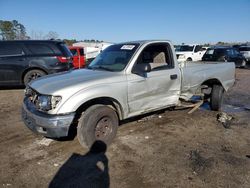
x: 195, y: 73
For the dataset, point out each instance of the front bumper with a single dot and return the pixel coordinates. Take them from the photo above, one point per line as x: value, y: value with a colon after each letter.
x: 53, y: 126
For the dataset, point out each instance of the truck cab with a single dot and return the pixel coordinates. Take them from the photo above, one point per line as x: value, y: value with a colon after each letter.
x: 78, y: 56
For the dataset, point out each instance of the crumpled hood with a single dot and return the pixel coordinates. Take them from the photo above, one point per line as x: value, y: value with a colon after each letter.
x: 72, y: 81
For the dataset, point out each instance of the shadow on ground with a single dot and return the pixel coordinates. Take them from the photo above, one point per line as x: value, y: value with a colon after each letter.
x: 89, y: 170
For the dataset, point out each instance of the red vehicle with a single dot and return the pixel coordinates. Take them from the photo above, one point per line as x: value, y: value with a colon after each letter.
x: 78, y: 56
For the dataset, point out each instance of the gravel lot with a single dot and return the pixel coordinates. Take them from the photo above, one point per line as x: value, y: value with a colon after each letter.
x: 168, y: 149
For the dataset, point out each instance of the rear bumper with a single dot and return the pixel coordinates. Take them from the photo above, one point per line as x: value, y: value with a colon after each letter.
x: 53, y: 126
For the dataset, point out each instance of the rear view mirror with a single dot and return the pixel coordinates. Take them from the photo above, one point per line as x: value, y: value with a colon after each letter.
x: 141, y: 69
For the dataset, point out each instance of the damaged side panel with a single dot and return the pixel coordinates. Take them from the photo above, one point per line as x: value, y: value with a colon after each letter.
x: 194, y: 74
x: 154, y: 91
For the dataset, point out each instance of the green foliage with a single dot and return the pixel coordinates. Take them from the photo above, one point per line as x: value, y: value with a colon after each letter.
x: 12, y: 30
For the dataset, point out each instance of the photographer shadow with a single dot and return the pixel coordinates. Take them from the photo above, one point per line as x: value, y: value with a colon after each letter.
x: 89, y: 170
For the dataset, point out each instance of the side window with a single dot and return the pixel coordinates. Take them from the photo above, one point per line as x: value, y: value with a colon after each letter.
x: 158, y: 56
x: 230, y: 52
x: 197, y: 48
x: 81, y: 51
x: 40, y: 49
x: 236, y: 52
x: 74, y: 52
x: 11, y: 50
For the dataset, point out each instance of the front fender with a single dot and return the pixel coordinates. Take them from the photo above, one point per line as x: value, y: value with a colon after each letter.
x: 117, y: 91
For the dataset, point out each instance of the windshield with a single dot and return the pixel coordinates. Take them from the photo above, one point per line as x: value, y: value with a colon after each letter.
x: 114, y: 58
x: 210, y: 51
x: 185, y: 48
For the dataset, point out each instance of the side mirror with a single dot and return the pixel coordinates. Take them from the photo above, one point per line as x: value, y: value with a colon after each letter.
x: 141, y: 69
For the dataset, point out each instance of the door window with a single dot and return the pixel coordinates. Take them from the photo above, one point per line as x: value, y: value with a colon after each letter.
x: 158, y: 56
x: 39, y: 49
x: 197, y: 48
x: 230, y: 52
x: 74, y: 52
x: 236, y: 52
x: 10, y: 50
x: 81, y: 52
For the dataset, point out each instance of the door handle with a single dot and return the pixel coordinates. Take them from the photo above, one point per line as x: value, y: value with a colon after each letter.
x: 173, y: 76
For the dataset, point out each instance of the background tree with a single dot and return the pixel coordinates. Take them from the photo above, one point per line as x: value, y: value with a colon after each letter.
x: 7, y: 30
x: 39, y: 35
x: 52, y: 35
x: 69, y: 42
x: 12, y: 30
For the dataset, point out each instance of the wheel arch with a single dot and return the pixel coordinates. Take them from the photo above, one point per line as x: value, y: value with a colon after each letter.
x: 211, y: 82
x: 32, y: 68
x: 111, y: 102
x: 206, y: 86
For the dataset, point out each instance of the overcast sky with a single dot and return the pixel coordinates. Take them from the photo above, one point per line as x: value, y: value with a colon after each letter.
x: 188, y: 21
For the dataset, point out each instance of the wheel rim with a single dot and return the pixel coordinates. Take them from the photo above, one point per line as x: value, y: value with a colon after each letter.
x: 103, y: 128
x: 33, y: 76
x: 243, y: 63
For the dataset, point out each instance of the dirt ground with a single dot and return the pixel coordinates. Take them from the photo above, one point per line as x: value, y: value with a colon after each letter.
x: 170, y: 149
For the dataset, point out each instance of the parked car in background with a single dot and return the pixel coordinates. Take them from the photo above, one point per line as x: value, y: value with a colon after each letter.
x: 190, y: 52
x: 79, y: 59
x: 245, y: 51
x: 225, y: 54
x: 23, y: 61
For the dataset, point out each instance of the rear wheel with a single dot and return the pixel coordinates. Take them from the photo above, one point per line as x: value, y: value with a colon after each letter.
x: 216, y: 97
x: 244, y: 63
x: 98, y: 122
x: 189, y: 59
x: 32, y: 75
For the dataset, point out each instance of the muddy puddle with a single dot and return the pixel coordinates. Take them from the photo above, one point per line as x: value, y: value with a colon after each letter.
x: 227, y: 108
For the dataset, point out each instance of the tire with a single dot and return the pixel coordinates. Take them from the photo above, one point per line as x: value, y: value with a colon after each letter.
x: 243, y: 64
x: 189, y: 59
x: 98, y: 122
x: 32, y: 75
x: 216, y: 97
x: 222, y: 59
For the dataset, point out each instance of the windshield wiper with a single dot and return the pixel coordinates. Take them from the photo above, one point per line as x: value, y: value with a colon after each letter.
x: 100, y: 68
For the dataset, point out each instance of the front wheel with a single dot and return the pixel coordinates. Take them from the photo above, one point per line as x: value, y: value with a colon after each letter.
x: 216, y: 97
x: 98, y: 122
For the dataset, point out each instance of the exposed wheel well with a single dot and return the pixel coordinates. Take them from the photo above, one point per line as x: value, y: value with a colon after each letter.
x: 114, y: 104
x: 32, y: 68
x: 206, y: 87
x: 211, y: 82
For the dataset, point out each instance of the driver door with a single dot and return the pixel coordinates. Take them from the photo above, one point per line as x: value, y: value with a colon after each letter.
x: 158, y: 88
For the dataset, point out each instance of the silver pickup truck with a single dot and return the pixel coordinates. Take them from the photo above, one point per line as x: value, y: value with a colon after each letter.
x: 125, y: 80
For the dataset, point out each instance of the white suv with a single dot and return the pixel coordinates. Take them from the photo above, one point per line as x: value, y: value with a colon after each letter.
x: 192, y: 52
x: 245, y: 51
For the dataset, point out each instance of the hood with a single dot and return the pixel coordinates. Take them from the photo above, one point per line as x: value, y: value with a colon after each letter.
x: 73, y: 81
